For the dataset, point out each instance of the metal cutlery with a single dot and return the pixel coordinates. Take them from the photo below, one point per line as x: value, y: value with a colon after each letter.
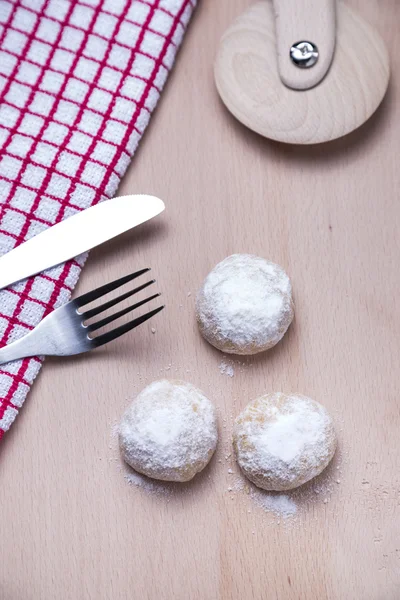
x: 76, y: 235
x: 65, y: 332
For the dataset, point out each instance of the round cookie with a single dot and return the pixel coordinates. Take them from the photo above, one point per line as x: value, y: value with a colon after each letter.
x: 245, y: 305
x: 283, y: 441
x: 169, y: 432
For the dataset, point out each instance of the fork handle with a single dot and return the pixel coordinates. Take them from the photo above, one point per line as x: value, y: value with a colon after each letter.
x: 42, y: 340
x: 25, y: 346
x: 49, y: 338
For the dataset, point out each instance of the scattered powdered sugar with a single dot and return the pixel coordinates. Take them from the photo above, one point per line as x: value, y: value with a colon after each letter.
x: 113, y: 434
x: 238, y: 485
x: 226, y: 368
x: 283, y: 441
x: 279, y: 504
x: 169, y: 432
x: 149, y: 485
x: 245, y: 304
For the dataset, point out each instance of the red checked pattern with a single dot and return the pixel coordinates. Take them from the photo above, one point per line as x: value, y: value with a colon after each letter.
x: 78, y: 82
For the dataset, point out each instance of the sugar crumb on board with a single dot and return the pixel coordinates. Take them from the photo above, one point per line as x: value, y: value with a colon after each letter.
x: 229, y: 366
x: 226, y: 368
x: 281, y: 505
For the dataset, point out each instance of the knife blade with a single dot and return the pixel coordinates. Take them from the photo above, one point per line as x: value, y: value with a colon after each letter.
x: 76, y: 235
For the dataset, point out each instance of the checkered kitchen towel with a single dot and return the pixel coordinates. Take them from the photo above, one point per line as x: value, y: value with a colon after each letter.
x: 78, y: 82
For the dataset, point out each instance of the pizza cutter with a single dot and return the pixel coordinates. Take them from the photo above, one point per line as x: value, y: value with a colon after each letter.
x: 303, y: 71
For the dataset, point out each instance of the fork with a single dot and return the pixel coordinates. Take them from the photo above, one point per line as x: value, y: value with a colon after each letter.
x: 64, y: 332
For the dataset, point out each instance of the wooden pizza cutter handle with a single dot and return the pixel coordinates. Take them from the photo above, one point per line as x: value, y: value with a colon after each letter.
x: 305, y: 38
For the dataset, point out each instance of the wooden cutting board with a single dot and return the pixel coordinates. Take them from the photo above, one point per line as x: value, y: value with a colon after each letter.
x: 71, y: 526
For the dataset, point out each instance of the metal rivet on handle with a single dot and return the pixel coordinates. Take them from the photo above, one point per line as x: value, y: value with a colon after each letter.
x: 304, y: 54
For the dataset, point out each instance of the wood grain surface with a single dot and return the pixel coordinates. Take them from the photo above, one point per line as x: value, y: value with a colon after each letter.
x: 71, y: 526
x: 247, y: 78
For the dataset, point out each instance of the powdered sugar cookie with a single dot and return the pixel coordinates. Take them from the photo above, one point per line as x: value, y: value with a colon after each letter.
x: 245, y: 305
x: 283, y: 441
x: 169, y: 432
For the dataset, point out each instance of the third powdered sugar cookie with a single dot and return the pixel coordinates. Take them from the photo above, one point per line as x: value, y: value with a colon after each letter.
x: 282, y: 441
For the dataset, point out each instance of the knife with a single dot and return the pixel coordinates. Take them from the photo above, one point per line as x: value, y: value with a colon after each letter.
x: 76, y: 235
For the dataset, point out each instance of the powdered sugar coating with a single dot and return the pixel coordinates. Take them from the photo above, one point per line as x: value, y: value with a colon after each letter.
x: 245, y: 305
x: 169, y: 432
x: 283, y: 441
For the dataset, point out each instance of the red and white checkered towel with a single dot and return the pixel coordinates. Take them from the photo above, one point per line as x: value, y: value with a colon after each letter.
x: 78, y: 82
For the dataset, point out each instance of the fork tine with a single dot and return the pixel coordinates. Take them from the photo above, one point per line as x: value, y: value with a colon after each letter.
x: 99, y: 309
x: 121, y: 313
x: 118, y: 331
x: 108, y: 287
